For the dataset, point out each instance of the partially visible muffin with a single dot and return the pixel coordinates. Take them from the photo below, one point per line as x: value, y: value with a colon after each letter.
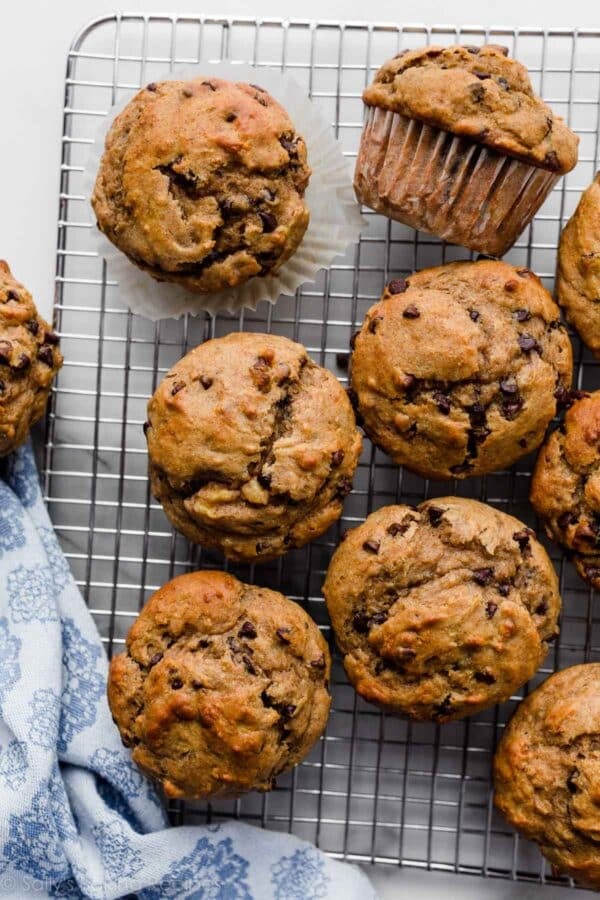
x: 578, y: 276
x: 202, y: 183
x: 457, y: 143
x: 565, y: 488
x: 222, y: 687
x: 547, y: 771
x: 29, y: 360
x: 252, y: 446
x: 441, y: 610
x: 458, y: 370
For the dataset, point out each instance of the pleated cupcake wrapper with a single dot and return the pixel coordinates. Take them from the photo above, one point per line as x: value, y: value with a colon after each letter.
x: 446, y: 185
x: 335, y: 219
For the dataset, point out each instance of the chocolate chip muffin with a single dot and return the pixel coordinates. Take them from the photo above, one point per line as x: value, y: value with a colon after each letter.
x: 223, y: 686
x: 442, y: 610
x: 457, y: 143
x: 458, y: 370
x: 578, y: 276
x: 29, y: 360
x: 202, y: 183
x: 252, y: 446
x: 547, y: 771
x: 565, y: 489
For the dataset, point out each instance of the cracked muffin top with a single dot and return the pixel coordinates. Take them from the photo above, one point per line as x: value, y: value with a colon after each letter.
x: 223, y: 686
x: 252, y: 446
x: 458, y: 370
x: 547, y: 771
x: 479, y: 93
x: 441, y: 610
x: 565, y: 488
x: 29, y: 360
x: 578, y: 275
x: 202, y: 183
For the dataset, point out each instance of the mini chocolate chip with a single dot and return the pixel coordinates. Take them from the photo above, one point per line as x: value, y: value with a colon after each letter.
x: 503, y: 83
x: 318, y: 663
x: 264, y: 479
x: 527, y: 343
x: 247, y: 630
x: 483, y: 76
x: 542, y: 608
x: 509, y: 387
x: 435, y: 514
x: 152, y: 87
x: 5, y: 348
x: 249, y: 665
x: 483, y: 576
x: 398, y: 286
x: 397, y: 528
x: 210, y: 85
x: 45, y: 355
x: 178, y: 386
x: 572, y: 781
x: 504, y: 589
x: 51, y: 337
x: 206, y: 382
x: 269, y: 222
x: 411, y: 312
x: 474, y: 315
x: 342, y: 359
x: 485, y: 676
x: 442, y: 402
x: 522, y: 315
x: 176, y: 684
x: 371, y: 546
x: 230, y: 117
x: 490, y: 609
x: 155, y: 659
x: 552, y: 161
x: 33, y: 326
x: 337, y: 458
x: 283, y: 634
x: 23, y: 361
x: 360, y: 622
x: 374, y: 323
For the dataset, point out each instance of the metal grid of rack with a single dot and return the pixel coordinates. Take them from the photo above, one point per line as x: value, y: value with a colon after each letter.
x: 375, y: 788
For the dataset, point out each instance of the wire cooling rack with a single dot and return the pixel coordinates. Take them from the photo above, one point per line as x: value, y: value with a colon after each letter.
x: 375, y: 789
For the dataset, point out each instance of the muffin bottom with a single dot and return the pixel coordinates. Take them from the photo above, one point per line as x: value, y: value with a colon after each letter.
x: 452, y: 187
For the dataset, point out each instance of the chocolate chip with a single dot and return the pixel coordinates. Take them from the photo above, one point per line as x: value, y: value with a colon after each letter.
x: 552, y: 162
x: 471, y: 48
x: 435, y: 514
x: 284, y: 634
x: 523, y: 540
x: 477, y: 415
x: 511, y: 408
x: 45, y: 355
x: 485, y: 676
x: 152, y: 87
x: 474, y: 315
x: 12, y: 296
x: 483, y: 76
x: 566, y: 397
x: 405, y: 653
x: 287, y: 711
x: 461, y: 468
x: 203, y: 643
x: 525, y: 272
x: 230, y: 117
x: 267, y: 700
x: 542, y: 608
x: 592, y: 573
x: 477, y: 92
x: 187, y: 92
x: 398, y: 286
x: 176, y: 684
x: 503, y: 83
x: 572, y: 781
x: 500, y: 48
x: 344, y: 488
x: 411, y: 312
x: 206, y: 382
x: 397, y: 528
x: 178, y: 386
x: 360, y: 622
x: 378, y: 618
x: 522, y: 443
x: 289, y: 146
x: 483, y: 576
x: 442, y: 402
x: 443, y: 708
x: 566, y: 519
x: 155, y: 659
x: 269, y: 222
x: 210, y: 85
x: 23, y: 361
x: 2, y: 387
x: 509, y: 387
x: 249, y: 665
x: 371, y: 546
x: 33, y: 326
x: 490, y: 609
x: 264, y: 479
x: 374, y: 323
x: 5, y: 348
x: 527, y: 343
x: 247, y: 630
x: 318, y: 663
x: 504, y: 589
x: 51, y: 337
x: 337, y: 458
x: 522, y: 315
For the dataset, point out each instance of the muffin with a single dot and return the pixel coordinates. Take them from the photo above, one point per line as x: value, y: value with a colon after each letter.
x: 578, y: 275
x: 441, y: 610
x: 547, y: 771
x: 565, y: 488
x: 456, y: 143
x: 202, y: 183
x: 29, y: 360
x: 252, y: 446
x: 222, y: 687
x: 458, y: 370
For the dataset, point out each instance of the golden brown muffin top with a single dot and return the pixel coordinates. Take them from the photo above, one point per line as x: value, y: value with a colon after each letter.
x: 442, y: 610
x: 252, y: 445
x: 458, y: 369
x: 223, y: 686
x: 29, y: 360
x: 578, y: 276
x: 547, y: 771
x: 480, y: 93
x: 202, y: 182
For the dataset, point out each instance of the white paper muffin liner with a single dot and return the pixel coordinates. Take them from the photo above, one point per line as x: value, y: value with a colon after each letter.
x: 335, y: 219
x: 446, y: 185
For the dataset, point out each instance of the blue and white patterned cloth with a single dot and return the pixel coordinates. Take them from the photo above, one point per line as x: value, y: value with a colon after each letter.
x: 76, y: 817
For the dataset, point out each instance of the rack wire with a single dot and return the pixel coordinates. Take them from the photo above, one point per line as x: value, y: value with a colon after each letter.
x: 376, y: 788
